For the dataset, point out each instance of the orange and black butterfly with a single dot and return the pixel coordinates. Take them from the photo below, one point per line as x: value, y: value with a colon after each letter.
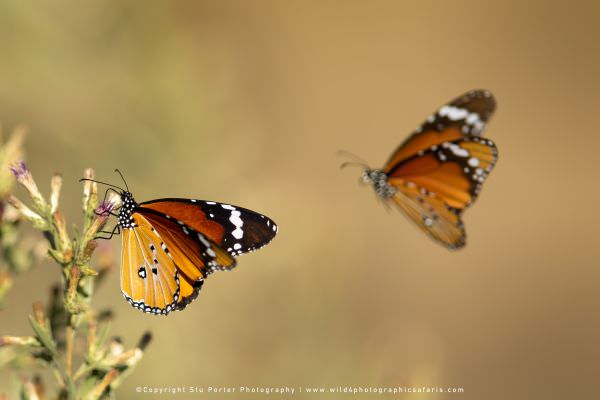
x: 171, y: 245
x: 438, y: 171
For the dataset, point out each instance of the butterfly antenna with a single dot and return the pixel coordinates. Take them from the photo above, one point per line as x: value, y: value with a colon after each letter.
x: 356, y: 159
x: 102, y: 183
x: 359, y: 164
x: 124, y: 181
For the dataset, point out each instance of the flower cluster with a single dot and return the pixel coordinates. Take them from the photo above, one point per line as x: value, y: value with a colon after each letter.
x: 58, y: 327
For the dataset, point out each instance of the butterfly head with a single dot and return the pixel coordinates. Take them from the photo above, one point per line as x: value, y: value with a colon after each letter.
x: 128, y: 203
x: 379, y: 180
x: 375, y: 177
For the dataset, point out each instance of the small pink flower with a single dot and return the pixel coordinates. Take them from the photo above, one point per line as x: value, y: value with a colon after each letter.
x: 20, y: 171
x: 23, y: 175
x: 105, y: 208
x: 103, y: 211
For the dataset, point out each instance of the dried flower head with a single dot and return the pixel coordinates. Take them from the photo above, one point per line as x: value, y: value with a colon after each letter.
x: 20, y: 171
x: 90, y: 191
x: 55, y: 186
x: 24, y: 177
x: 36, y: 219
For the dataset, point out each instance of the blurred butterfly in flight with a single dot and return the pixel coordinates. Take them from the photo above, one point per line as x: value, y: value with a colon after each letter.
x: 437, y: 172
x: 171, y: 245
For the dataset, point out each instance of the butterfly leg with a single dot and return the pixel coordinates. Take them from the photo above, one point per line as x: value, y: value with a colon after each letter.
x: 103, y: 213
x: 116, y: 231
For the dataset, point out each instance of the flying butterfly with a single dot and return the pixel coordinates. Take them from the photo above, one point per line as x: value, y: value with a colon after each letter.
x: 171, y: 245
x: 438, y: 171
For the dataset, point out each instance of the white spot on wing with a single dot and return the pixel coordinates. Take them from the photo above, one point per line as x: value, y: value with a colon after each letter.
x: 472, y: 118
x: 203, y: 240
x: 235, y: 219
x: 457, y: 150
x: 453, y: 113
x: 444, y: 110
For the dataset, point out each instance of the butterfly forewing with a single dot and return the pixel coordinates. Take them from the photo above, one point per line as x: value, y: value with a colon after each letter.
x: 464, y: 116
x: 235, y: 229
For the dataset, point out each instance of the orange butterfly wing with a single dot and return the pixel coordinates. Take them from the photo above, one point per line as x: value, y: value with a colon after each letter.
x: 188, y: 212
x: 164, y: 263
x: 431, y: 214
x: 149, y: 277
x: 235, y: 229
x: 174, y: 244
x: 464, y: 116
x: 194, y: 253
x: 454, y: 171
x: 438, y: 171
x: 433, y: 189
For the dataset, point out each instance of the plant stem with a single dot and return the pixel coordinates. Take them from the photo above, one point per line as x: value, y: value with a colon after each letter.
x: 69, y: 352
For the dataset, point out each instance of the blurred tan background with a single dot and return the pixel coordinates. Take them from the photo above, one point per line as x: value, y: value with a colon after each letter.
x: 248, y: 101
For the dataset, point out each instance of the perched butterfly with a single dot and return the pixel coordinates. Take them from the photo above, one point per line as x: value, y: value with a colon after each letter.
x: 438, y: 171
x: 171, y: 245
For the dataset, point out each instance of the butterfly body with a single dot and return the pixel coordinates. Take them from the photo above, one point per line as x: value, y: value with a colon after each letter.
x: 126, y: 220
x: 379, y: 180
x: 435, y: 174
x: 171, y: 245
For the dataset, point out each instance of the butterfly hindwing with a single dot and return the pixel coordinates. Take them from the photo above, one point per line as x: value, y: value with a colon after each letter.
x: 235, y: 229
x: 164, y: 263
x: 149, y: 277
x: 466, y: 115
x: 431, y: 214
